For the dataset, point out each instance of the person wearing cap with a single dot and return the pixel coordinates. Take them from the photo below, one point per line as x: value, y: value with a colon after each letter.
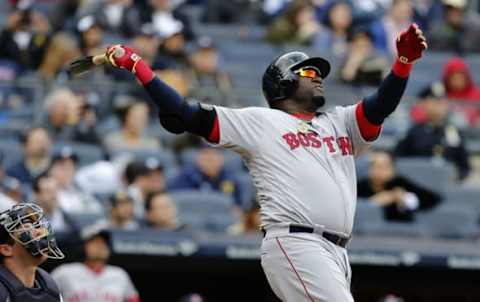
x: 142, y: 178
x: 435, y: 136
x: 94, y: 279
x: 121, y: 214
x: 70, y: 197
x: 206, y: 62
x: 26, y: 241
x: 36, y: 156
x: 458, y: 31
x: 208, y: 173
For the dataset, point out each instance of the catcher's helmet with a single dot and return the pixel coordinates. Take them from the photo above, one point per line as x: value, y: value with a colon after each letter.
x: 27, y: 224
x: 279, y: 80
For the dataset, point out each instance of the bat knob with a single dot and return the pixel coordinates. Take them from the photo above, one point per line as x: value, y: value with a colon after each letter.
x: 119, y: 52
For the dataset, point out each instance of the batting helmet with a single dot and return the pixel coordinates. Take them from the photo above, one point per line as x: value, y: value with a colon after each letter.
x: 27, y: 224
x: 280, y: 81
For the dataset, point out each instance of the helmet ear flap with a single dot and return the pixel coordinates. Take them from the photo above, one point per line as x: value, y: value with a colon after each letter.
x: 289, y: 84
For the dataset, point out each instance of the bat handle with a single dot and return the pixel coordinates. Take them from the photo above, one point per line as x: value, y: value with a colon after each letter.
x: 99, y: 59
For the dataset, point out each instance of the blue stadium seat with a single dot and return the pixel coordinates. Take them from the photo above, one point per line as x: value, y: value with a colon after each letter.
x: 399, y: 229
x: 368, y: 217
x: 436, y: 176
x: 12, y: 151
x: 204, y: 210
x: 450, y: 221
x: 464, y: 197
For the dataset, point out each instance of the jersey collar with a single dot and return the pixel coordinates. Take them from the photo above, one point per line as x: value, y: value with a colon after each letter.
x: 304, y: 116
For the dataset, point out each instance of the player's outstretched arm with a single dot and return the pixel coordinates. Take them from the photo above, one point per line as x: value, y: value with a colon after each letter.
x: 176, y: 115
x: 410, y: 46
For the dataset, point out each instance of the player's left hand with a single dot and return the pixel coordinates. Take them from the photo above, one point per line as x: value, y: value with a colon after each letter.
x: 121, y: 56
x: 410, y: 44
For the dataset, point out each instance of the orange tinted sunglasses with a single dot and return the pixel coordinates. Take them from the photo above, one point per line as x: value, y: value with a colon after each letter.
x: 308, y: 72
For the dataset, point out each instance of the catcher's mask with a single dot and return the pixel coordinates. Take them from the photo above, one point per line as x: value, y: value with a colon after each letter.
x: 27, y: 224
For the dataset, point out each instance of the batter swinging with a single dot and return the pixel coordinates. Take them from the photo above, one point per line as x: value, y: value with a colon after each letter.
x: 301, y: 159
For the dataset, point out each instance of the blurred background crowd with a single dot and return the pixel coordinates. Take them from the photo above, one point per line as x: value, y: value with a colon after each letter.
x: 90, y: 149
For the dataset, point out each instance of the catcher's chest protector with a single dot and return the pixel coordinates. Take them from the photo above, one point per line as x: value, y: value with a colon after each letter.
x: 46, y: 292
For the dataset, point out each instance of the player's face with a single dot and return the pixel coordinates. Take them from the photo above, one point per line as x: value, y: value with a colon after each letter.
x: 97, y: 249
x: 310, y: 87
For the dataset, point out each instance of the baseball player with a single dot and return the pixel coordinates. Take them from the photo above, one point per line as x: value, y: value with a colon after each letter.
x: 26, y: 241
x: 94, y: 280
x: 301, y: 158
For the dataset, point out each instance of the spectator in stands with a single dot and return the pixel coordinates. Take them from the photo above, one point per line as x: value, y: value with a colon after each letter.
x: 363, y: 64
x: 385, y: 30
x: 172, y: 52
x: 333, y: 37
x: 5, y: 201
x: 298, y: 25
x: 209, y: 174
x: 71, y: 199
x: 250, y: 222
x: 435, y: 136
x: 134, y: 120
x: 458, y: 31
x: 143, y: 178
x: 167, y: 17
x: 45, y: 190
x: 206, y: 65
x: 36, y: 156
x: 146, y: 43
x: 121, y: 213
x: 12, y: 188
x: 69, y: 117
x: 460, y: 86
x: 94, y: 279
x: 399, y: 197
x: 115, y: 16
x: 90, y: 36
x: 61, y: 50
x: 161, y: 213
x: 25, y: 38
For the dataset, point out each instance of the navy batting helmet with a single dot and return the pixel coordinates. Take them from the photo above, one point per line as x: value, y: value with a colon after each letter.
x: 279, y: 80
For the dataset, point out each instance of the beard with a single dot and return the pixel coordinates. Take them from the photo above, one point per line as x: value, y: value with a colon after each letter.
x: 318, y: 100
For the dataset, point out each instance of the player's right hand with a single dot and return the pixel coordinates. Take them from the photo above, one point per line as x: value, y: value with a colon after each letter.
x: 410, y: 44
x: 122, y: 57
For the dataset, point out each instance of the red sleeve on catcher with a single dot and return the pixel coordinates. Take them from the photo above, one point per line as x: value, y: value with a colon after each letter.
x: 133, y: 299
x: 368, y: 130
x: 401, y: 69
x: 214, y: 136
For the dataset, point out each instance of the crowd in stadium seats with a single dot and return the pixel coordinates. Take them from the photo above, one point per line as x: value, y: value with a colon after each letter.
x: 90, y: 148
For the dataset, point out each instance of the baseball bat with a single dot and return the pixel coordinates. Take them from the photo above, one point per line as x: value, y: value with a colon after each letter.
x: 85, y: 64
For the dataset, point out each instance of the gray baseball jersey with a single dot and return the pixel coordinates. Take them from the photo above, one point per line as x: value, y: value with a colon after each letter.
x: 78, y: 283
x: 304, y: 171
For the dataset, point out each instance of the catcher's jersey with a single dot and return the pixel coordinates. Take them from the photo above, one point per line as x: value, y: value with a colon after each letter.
x: 78, y: 283
x: 304, y: 171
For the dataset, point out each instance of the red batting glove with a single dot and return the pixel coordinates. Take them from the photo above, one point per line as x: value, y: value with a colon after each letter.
x: 124, y: 57
x: 410, y: 44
